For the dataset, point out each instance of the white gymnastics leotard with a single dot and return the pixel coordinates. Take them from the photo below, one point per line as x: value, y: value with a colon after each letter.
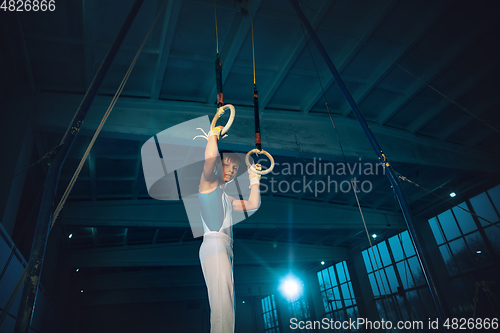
x: 216, y: 256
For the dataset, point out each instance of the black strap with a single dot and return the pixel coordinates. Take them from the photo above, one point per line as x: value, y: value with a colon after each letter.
x: 256, y: 116
x: 218, y: 77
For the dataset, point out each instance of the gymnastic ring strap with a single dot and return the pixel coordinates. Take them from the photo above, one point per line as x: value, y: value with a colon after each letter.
x: 219, y: 113
x: 257, y: 151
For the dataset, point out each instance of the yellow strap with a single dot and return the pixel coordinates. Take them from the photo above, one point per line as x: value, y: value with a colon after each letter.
x: 216, y: 31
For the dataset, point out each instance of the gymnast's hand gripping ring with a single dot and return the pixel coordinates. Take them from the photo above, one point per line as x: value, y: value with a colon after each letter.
x: 257, y: 151
x: 219, y: 113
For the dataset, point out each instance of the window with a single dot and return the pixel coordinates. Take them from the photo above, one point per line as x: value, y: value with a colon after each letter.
x: 336, y: 291
x: 397, y: 281
x: 299, y: 309
x: 469, y: 245
x: 270, y: 315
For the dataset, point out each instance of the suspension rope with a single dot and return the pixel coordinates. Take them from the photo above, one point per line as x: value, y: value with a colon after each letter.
x: 354, y: 186
x: 103, y: 121
x: 218, y: 65
x: 253, y: 46
x: 258, y: 143
x: 49, y: 154
x: 451, y: 100
x: 428, y: 85
x: 443, y: 198
x: 13, y: 295
x: 216, y: 29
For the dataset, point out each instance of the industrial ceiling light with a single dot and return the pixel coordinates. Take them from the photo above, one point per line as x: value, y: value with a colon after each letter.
x: 322, y: 263
x: 70, y: 235
x: 453, y: 194
x: 374, y: 236
x: 291, y: 288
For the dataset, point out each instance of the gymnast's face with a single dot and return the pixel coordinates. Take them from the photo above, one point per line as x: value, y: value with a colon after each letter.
x: 229, y: 169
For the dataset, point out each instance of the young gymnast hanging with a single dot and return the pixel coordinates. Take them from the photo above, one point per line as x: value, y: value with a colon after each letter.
x: 216, y: 251
x: 216, y: 206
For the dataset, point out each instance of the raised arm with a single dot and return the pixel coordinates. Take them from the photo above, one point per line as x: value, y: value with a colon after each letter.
x: 211, y: 152
x: 253, y: 202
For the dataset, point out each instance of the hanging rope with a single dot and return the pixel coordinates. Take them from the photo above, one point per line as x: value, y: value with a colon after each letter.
x: 443, y: 198
x: 216, y: 29
x: 103, y: 121
x: 48, y: 155
x: 218, y: 64
x: 354, y: 186
x: 221, y: 108
x: 12, y: 297
x: 451, y: 100
x: 253, y: 47
x: 258, y: 143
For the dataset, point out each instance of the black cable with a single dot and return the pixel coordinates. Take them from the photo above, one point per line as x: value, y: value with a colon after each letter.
x: 13, y: 250
x: 49, y: 154
x: 451, y: 100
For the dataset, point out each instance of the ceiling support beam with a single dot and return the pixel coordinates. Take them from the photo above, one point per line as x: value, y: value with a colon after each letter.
x: 164, y: 214
x: 170, y: 284
x: 139, y: 119
x: 187, y: 254
x: 182, y: 276
x: 419, y: 30
x: 371, y: 24
x: 166, y: 39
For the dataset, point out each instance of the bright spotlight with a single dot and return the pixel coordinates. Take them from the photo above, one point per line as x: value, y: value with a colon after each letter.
x: 322, y: 263
x: 70, y: 235
x: 291, y: 288
x: 374, y: 236
x: 453, y: 194
x: 478, y: 251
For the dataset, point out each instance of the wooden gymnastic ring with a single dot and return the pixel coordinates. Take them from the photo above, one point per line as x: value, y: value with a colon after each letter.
x: 259, y: 172
x: 219, y: 113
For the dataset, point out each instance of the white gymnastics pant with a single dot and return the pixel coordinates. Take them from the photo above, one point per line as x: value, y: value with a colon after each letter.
x: 216, y: 256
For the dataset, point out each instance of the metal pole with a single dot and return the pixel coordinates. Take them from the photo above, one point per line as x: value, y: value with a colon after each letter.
x: 34, y: 268
x: 422, y: 257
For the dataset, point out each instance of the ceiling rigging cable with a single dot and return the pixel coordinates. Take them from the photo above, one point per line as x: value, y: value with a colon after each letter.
x: 103, y: 121
x: 258, y: 143
x: 354, y: 186
x: 24, y: 321
x: 423, y: 258
x: 451, y: 100
x: 221, y: 108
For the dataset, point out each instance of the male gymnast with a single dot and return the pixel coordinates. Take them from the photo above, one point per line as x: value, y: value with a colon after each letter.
x: 216, y: 251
